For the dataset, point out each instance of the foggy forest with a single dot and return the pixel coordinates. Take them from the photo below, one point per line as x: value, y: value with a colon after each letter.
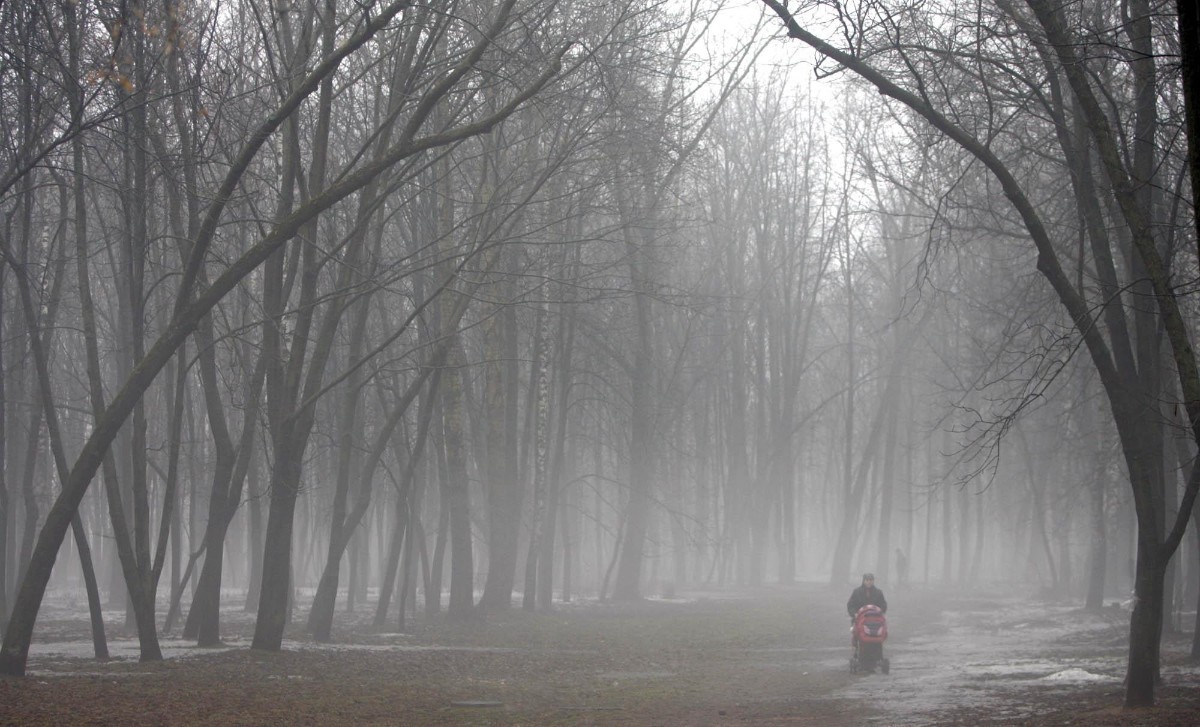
x: 448, y: 309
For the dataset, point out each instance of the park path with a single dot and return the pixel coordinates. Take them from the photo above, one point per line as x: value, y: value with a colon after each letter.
x: 776, y: 655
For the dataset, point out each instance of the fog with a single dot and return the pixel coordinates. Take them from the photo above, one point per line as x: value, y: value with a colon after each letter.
x: 397, y: 311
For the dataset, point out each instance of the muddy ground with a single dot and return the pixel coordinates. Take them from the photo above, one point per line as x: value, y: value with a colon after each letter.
x: 778, y: 656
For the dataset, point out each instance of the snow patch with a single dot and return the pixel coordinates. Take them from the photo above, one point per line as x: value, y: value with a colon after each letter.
x: 1076, y: 675
x: 988, y: 655
x: 337, y: 647
x: 1015, y: 668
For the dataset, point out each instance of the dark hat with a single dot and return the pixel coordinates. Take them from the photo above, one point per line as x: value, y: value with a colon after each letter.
x: 868, y: 576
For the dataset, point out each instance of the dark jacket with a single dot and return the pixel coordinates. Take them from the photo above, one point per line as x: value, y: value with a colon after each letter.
x: 864, y: 596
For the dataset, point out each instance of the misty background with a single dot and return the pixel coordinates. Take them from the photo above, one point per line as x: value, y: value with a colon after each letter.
x: 459, y: 307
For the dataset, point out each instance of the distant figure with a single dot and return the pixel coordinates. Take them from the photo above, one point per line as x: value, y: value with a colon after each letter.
x: 901, y: 568
x: 866, y: 595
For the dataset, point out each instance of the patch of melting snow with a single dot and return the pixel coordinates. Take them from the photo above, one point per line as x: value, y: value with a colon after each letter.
x: 1047, y: 671
x: 985, y: 659
x: 1076, y: 675
x: 316, y: 646
x: 126, y: 650
x: 1012, y: 668
x: 43, y: 676
x: 121, y: 649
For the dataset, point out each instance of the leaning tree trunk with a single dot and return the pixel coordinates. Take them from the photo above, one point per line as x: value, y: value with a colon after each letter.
x: 320, y: 622
x: 344, y: 524
x: 39, y: 345
x: 406, y: 497
x: 78, y: 177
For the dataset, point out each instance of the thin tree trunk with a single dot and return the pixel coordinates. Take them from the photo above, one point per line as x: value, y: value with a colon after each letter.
x: 888, y: 488
x: 391, y: 560
x: 254, y: 517
x: 1098, y: 549
x: 541, y: 415
x: 565, y: 342
x: 436, y: 567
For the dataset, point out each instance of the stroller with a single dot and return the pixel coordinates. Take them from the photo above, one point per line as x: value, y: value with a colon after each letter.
x: 869, y: 632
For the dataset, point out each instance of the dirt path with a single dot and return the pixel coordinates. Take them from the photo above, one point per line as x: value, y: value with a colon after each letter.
x: 774, y: 657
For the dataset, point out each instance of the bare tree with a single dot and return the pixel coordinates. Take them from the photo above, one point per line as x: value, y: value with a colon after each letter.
x: 192, y: 304
x: 1128, y: 384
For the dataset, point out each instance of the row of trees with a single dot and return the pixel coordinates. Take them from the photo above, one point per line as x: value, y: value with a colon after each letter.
x: 1092, y: 95
x: 553, y: 296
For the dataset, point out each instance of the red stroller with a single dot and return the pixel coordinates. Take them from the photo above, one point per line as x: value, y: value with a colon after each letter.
x: 869, y: 632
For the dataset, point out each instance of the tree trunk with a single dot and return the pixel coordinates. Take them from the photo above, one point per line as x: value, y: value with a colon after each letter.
x: 391, y: 560
x: 273, y: 607
x: 4, y: 501
x: 558, y: 414
x: 628, y: 583
x: 254, y: 518
x: 343, y: 524
x: 541, y: 415
x: 504, y: 490
x: 1145, y: 627
x: 436, y: 566
x: 851, y: 490
x: 230, y: 467
x: 855, y: 494
x: 1195, y: 653
x: 887, y: 485
x: 40, y: 346
x: 457, y: 487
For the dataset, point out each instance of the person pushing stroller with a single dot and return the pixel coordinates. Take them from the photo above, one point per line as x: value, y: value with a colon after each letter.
x: 866, y: 595
x: 868, y: 627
